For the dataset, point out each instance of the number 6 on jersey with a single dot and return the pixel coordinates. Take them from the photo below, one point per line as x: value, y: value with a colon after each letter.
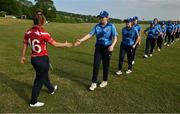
x: 35, y: 45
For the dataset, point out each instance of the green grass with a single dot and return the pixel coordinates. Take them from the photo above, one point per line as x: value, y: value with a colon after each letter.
x: 154, y: 86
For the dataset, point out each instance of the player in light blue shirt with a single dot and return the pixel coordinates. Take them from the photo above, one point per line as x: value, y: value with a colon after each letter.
x: 176, y: 30
x: 130, y: 39
x: 151, y: 33
x: 106, y: 38
x: 158, y: 38
x: 169, y: 32
x: 139, y: 29
x: 162, y: 36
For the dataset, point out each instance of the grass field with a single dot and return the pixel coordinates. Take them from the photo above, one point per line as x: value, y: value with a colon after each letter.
x: 154, y: 86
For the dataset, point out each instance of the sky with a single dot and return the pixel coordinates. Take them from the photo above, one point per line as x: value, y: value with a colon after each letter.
x: 144, y: 9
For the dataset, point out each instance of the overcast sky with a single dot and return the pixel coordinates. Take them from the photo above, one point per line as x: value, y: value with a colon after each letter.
x: 144, y: 9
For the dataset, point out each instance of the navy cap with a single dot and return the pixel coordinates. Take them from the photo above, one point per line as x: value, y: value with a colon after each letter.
x: 128, y: 20
x: 155, y: 19
x: 163, y: 23
x: 135, y: 18
x: 151, y: 22
x: 169, y: 21
x: 103, y: 14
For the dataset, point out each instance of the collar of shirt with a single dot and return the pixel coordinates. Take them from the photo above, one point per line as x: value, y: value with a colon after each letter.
x: 103, y: 26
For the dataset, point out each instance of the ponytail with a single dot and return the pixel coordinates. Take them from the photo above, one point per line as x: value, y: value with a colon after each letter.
x: 39, y: 18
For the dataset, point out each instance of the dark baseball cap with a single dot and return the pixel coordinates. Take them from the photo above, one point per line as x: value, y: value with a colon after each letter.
x: 103, y: 14
x: 128, y: 20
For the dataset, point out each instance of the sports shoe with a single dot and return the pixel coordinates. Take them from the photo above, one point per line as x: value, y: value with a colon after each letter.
x: 165, y: 43
x: 93, y: 86
x: 159, y: 49
x: 150, y: 55
x: 119, y: 72
x: 103, y: 84
x: 55, y: 88
x: 128, y: 71
x: 38, y: 104
x: 133, y: 62
x: 145, y: 56
x: 168, y: 45
x: 171, y: 42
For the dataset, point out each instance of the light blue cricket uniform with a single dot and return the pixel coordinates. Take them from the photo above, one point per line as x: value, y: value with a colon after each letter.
x: 169, y: 28
x: 104, y: 34
x: 163, y: 30
x: 138, y: 28
x: 152, y: 32
x: 129, y: 36
x: 158, y: 28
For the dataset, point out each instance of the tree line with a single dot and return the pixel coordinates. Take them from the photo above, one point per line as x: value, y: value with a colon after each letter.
x: 24, y: 7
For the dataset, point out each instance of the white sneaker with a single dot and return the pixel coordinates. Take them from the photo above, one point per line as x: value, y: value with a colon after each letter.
x: 93, y: 86
x: 150, y: 55
x: 38, y: 104
x: 133, y: 62
x: 171, y: 42
x: 168, y: 45
x: 145, y: 56
x: 55, y: 88
x: 165, y: 43
x: 103, y: 84
x: 159, y: 49
x: 119, y: 72
x: 128, y: 71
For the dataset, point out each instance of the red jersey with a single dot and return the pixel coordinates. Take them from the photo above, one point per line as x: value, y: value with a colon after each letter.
x: 37, y: 39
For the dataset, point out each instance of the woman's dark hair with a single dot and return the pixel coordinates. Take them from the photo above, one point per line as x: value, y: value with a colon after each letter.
x: 39, y: 18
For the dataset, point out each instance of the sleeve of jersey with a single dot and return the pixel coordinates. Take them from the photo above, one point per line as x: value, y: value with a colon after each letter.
x: 140, y: 28
x: 158, y: 29
x: 47, y: 37
x: 114, y: 31
x: 25, y: 41
x: 93, y: 31
x: 137, y: 33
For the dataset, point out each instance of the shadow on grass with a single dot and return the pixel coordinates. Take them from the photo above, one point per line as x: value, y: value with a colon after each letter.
x: 70, y: 76
x: 82, y: 61
x: 84, y: 53
x: 17, y: 86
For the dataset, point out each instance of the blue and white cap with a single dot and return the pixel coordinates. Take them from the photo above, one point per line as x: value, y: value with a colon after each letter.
x: 135, y: 18
x: 128, y: 20
x: 103, y: 14
x: 163, y: 23
x: 169, y: 21
x: 151, y: 22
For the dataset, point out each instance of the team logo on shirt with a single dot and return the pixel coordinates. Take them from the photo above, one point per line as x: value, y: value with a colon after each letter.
x: 98, y: 29
x: 107, y: 29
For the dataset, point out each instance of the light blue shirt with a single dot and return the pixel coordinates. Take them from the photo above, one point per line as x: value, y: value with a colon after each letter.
x: 104, y: 34
x: 129, y: 36
x: 152, y: 32
x: 138, y: 28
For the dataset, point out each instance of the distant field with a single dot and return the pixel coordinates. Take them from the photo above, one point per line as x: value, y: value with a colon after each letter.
x: 154, y: 85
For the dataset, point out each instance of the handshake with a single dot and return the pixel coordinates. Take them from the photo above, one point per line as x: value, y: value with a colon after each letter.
x: 76, y: 43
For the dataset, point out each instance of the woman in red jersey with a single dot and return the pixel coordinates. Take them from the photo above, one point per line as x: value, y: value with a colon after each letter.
x: 37, y: 38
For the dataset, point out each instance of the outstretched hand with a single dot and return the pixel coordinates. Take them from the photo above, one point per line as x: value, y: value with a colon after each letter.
x: 68, y: 45
x: 77, y: 43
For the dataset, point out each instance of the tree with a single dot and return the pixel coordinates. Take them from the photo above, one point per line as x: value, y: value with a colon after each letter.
x: 26, y: 8
x: 10, y: 6
x: 47, y: 6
